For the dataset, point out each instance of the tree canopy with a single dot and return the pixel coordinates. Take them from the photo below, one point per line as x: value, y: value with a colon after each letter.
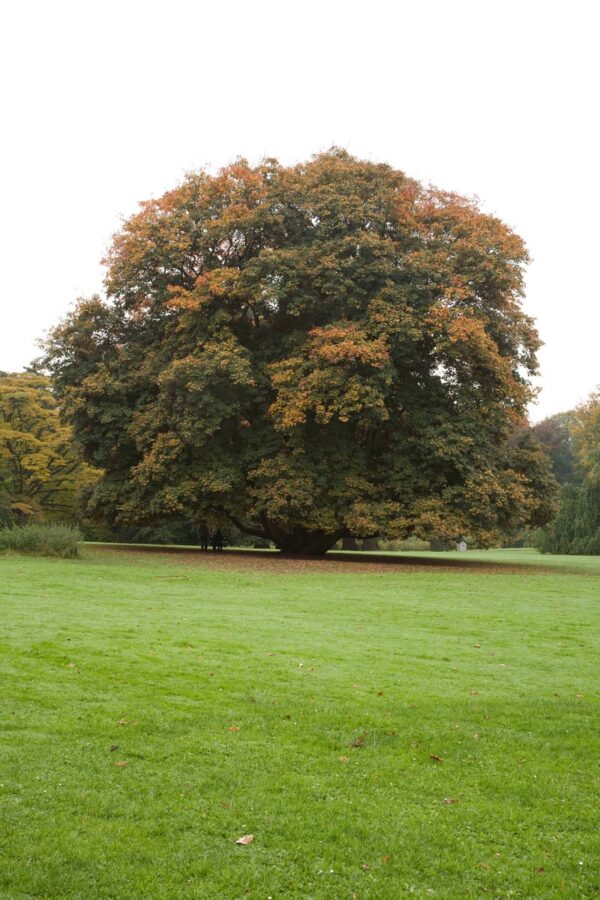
x: 309, y: 351
x: 40, y: 472
x: 555, y: 436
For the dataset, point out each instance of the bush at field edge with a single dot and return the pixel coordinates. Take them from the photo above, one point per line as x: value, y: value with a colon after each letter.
x: 42, y: 540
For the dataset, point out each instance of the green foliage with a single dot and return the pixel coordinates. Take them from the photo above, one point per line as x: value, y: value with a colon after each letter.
x: 195, y: 673
x: 164, y: 532
x: 42, y: 540
x: 593, y: 544
x: 555, y: 436
x: 308, y: 352
x: 409, y: 544
x: 576, y: 528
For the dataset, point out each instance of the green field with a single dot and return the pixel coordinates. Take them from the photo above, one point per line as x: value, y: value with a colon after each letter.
x: 383, y: 731
x: 521, y: 557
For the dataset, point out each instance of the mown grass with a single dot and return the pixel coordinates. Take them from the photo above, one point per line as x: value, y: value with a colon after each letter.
x: 307, y: 708
x: 525, y: 556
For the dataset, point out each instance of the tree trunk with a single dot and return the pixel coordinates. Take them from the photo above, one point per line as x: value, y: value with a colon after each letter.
x: 301, y: 541
x: 370, y: 544
x: 298, y: 542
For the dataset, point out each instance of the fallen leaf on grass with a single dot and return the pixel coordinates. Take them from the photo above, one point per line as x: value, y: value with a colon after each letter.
x: 365, y: 866
x: 114, y: 747
x: 436, y: 758
x: 477, y: 645
x: 360, y: 740
x: 121, y: 764
x: 385, y: 859
x: 539, y: 870
x: 449, y: 800
x: 343, y: 758
x: 245, y: 839
x: 123, y: 722
x: 474, y: 693
x: 71, y: 665
x: 380, y: 693
x: 233, y: 728
x: 271, y: 654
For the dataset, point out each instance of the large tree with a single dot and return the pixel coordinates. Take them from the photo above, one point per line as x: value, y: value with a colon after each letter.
x: 40, y: 472
x: 312, y: 351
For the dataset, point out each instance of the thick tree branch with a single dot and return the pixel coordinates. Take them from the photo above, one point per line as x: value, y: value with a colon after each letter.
x: 248, y: 528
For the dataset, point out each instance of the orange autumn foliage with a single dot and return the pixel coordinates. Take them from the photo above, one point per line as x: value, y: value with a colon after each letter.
x: 309, y: 351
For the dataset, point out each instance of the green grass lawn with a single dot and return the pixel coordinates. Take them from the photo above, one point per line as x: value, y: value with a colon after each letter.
x: 383, y: 732
x: 525, y: 556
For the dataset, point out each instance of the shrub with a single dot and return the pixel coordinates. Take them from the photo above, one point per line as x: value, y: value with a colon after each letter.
x: 593, y: 545
x: 577, y: 524
x: 409, y: 544
x: 42, y: 540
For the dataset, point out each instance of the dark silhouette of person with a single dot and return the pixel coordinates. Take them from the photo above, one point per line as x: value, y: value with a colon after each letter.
x: 204, y: 536
x: 218, y: 540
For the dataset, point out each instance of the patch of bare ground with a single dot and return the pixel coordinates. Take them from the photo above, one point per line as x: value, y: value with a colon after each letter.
x: 339, y: 563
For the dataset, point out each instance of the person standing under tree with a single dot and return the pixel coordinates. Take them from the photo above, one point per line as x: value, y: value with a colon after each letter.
x: 203, y: 536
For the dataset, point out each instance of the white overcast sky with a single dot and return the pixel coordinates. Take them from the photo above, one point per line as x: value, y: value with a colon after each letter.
x: 104, y: 104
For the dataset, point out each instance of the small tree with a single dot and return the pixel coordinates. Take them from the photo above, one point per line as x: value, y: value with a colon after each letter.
x: 576, y: 528
x: 554, y: 434
x: 40, y: 473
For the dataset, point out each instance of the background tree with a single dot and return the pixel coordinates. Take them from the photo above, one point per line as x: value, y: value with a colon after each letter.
x: 40, y: 472
x: 576, y: 528
x: 586, y: 435
x: 308, y: 352
x: 554, y: 434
